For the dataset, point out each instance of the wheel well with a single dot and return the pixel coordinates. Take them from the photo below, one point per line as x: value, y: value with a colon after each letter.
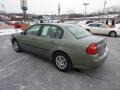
x: 61, y: 52
x: 112, y: 31
x: 13, y: 39
x: 88, y: 30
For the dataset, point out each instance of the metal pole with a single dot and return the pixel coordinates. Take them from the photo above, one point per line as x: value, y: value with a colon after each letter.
x: 24, y: 15
x: 24, y: 8
x: 58, y: 11
x: 85, y: 4
x: 85, y: 10
x: 3, y: 7
x: 104, y: 7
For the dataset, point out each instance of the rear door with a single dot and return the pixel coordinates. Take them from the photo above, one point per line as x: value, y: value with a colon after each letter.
x: 102, y: 29
x: 49, y: 38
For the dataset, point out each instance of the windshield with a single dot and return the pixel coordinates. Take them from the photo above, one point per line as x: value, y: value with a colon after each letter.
x: 77, y: 31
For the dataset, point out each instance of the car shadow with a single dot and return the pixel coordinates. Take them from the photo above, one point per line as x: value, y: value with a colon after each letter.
x: 39, y: 59
x: 105, y: 36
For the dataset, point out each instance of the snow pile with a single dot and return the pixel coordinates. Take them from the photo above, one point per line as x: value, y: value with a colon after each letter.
x: 9, y: 31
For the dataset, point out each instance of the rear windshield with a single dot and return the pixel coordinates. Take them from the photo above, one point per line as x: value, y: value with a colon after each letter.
x: 77, y: 31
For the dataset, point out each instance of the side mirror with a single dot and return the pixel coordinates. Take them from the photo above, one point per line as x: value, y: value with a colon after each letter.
x: 23, y: 33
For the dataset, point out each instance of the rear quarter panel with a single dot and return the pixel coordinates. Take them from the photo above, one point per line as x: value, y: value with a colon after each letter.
x: 76, y: 49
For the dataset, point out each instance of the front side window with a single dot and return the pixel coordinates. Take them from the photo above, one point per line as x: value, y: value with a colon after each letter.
x: 92, y: 25
x: 33, y: 30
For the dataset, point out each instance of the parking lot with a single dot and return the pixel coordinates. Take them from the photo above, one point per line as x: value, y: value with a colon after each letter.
x: 25, y: 71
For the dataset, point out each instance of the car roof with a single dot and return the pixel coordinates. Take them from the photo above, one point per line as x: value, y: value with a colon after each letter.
x: 56, y: 24
x: 96, y: 23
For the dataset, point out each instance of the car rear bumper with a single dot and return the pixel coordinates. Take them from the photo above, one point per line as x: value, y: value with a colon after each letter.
x: 94, y: 62
x: 118, y: 33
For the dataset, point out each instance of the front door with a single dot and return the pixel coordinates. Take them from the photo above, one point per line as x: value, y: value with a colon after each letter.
x: 93, y: 28
x: 27, y: 40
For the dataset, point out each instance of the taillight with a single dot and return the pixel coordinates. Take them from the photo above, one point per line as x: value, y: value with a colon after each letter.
x: 92, y: 49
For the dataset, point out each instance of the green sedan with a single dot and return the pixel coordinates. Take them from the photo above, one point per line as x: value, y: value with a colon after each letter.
x: 67, y: 46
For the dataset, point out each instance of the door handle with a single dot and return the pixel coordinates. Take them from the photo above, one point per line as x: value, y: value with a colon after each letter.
x: 53, y: 42
x: 33, y: 38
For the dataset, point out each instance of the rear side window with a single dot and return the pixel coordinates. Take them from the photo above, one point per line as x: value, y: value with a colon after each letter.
x: 52, y: 32
x: 77, y: 31
x: 59, y: 33
x: 101, y: 26
x: 33, y: 30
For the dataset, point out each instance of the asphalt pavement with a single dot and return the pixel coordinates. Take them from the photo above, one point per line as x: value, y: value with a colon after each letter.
x: 25, y: 71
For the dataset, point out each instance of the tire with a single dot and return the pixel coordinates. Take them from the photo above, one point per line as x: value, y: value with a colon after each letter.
x: 62, y: 62
x: 16, y: 46
x: 112, y: 34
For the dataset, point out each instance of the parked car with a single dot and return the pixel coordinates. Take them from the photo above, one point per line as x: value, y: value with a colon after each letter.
x: 84, y: 22
x: 71, y: 22
x: 89, y: 21
x: 13, y: 22
x: 117, y: 26
x: 1, y: 23
x: 54, y: 21
x: 66, y: 45
x: 99, y: 28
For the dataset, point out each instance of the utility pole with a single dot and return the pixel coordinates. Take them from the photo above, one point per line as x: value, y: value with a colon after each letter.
x: 105, y: 2
x: 3, y: 11
x: 24, y: 8
x: 59, y: 11
x: 85, y: 4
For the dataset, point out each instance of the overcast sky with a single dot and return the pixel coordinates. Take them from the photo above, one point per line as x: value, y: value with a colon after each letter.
x: 51, y: 6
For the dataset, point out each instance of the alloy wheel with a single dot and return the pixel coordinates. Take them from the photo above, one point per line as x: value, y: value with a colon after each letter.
x: 113, y: 34
x: 61, y: 62
x: 16, y: 47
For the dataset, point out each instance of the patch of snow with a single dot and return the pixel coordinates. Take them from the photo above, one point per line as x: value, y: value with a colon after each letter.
x: 9, y: 31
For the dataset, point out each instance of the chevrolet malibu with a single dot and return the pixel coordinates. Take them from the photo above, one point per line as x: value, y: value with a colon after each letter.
x: 67, y: 46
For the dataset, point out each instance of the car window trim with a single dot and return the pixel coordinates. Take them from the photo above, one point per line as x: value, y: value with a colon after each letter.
x: 42, y: 29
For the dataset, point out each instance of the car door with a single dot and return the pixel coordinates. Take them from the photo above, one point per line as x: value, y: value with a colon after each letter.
x: 93, y: 28
x: 27, y: 40
x: 49, y: 38
x: 102, y: 29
